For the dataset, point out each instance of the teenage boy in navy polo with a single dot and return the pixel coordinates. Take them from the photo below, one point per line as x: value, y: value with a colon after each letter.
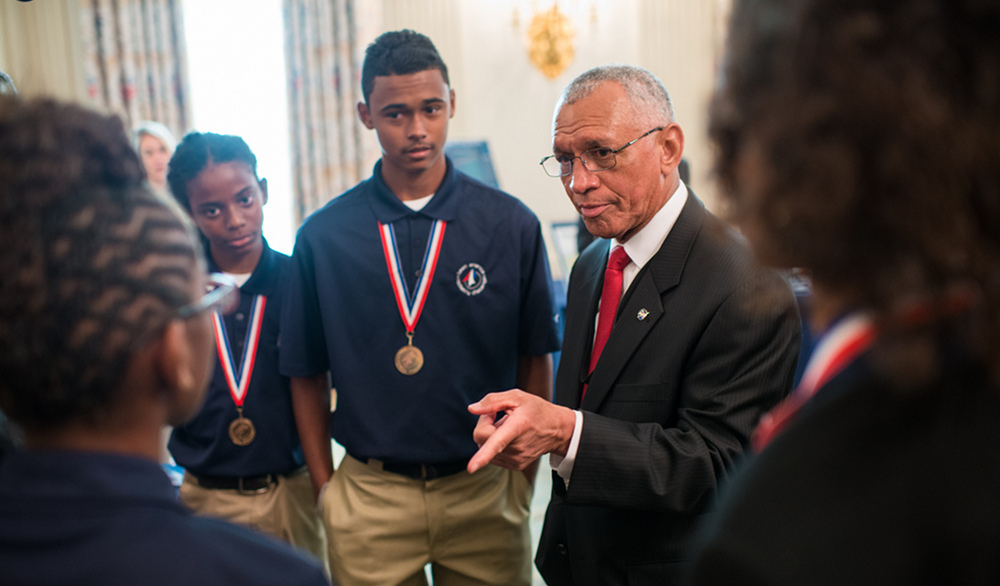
x: 420, y: 290
x: 241, y: 453
x: 105, y: 337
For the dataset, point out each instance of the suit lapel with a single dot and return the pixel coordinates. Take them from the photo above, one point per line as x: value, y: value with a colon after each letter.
x: 585, y: 291
x: 641, y: 307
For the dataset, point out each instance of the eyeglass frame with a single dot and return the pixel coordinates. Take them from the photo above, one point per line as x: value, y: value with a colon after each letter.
x: 613, y: 153
x: 217, y: 299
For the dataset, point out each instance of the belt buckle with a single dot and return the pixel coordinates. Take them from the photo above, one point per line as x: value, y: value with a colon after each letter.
x: 249, y: 491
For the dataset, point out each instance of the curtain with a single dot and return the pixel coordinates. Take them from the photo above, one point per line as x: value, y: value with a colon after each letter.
x: 324, y: 49
x: 135, y: 62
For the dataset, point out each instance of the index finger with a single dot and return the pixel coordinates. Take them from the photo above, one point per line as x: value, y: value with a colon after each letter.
x: 492, y: 447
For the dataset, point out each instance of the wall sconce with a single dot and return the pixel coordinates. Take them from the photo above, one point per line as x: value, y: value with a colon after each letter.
x: 549, y: 37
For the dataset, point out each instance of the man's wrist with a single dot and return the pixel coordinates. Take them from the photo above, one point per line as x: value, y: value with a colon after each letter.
x: 568, y: 420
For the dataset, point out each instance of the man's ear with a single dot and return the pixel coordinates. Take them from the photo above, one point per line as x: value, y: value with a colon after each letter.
x: 451, y: 97
x: 671, y: 139
x: 365, y: 115
x: 173, y: 365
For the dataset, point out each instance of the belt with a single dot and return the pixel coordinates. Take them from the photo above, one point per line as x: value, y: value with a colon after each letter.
x: 243, y: 484
x: 417, y: 471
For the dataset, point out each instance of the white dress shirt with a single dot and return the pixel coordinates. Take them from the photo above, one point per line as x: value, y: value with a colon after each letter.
x: 640, y: 249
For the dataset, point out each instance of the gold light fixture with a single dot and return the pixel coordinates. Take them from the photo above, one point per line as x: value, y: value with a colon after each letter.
x: 550, y: 42
x: 550, y: 38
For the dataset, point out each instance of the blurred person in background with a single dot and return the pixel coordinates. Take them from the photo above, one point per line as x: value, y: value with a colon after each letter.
x: 155, y: 144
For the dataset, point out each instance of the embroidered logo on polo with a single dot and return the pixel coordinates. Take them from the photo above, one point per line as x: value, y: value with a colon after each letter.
x: 471, y: 278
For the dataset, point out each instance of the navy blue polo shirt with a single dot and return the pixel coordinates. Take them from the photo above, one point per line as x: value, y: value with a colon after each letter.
x: 203, y: 446
x: 88, y: 518
x: 490, y: 301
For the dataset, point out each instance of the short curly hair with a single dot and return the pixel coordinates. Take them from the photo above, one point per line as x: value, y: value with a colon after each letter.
x: 861, y: 140
x: 399, y: 53
x: 196, y: 151
x: 93, y: 263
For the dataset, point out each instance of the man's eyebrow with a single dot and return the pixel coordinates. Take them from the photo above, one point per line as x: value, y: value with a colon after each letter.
x: 595, y: 143
x: 401, y: 106
x: 587, y: 145
x: 388, y: 107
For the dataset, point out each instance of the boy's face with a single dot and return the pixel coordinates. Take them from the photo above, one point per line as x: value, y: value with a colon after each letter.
x: 410, y: 115
x: 227, y: 206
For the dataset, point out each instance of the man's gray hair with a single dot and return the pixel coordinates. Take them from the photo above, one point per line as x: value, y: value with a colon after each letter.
x: 642, y: 87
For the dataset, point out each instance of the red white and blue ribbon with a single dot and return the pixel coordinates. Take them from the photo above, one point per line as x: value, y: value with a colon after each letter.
x: 839, y: 347
x: 238, y: 376
x: 410, y: 307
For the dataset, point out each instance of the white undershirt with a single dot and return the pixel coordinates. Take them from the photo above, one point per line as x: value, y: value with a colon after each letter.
x: 641, y: 247
x: 239, y: 278
x: 418, y: 204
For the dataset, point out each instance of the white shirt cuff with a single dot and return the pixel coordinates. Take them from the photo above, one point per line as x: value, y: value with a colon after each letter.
x: 563, y: 465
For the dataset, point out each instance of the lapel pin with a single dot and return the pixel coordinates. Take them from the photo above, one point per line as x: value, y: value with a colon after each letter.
x: 642, y: 314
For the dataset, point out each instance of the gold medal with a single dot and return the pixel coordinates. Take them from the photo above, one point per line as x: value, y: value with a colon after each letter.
x: 241, y: 430
x: 409, y: 358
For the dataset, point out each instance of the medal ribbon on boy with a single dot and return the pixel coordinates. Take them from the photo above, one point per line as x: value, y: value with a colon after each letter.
x: 409, y: 359
x: 241, y: 430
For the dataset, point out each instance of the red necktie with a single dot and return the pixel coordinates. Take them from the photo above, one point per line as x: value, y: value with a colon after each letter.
x: 611, y: 294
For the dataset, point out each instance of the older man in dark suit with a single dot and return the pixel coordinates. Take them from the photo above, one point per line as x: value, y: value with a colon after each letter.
x: 676, y: 343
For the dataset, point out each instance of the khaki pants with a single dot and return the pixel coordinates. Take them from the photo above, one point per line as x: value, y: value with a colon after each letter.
x: 384, y: 528
x: 286, y: 510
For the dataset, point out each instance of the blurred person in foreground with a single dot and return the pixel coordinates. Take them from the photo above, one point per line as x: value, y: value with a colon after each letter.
x: 698, y: 341
x: 861, y: 140
x: 105, y: 336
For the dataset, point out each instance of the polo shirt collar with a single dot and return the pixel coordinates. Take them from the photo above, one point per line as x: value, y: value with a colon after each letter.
x: 388, y: 208
x: 263, y: 279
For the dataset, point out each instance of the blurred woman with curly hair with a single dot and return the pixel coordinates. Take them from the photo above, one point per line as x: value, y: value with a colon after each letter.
x: 861, y: 141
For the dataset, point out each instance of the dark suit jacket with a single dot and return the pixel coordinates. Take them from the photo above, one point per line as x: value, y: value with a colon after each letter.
x: 671, y: 403
x: 874, y: 483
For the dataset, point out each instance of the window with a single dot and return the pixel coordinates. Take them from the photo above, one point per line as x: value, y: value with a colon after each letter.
x: 236, y: 66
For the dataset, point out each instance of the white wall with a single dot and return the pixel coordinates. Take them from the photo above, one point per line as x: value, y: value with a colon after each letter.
x: 40, y: 48
x: 503, y: 99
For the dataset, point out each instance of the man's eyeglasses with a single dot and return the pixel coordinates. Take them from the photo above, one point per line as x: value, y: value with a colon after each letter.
x: 221, y: 294
x: 594, y: 160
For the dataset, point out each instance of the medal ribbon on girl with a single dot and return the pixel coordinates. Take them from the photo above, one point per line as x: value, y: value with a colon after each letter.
x: 841, y: 346
x: 241, y: 430
x: 409, y: 359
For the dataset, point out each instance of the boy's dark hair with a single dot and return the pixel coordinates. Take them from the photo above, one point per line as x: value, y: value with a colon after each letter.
x: 196, y: 151
x: 93, y: 263
x: 399, y: 53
